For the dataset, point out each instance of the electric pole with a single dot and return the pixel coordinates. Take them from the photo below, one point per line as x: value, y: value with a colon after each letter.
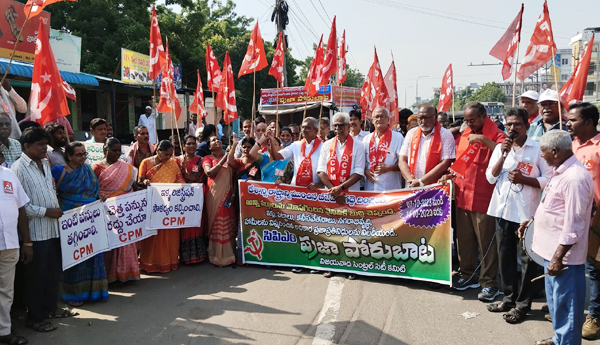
x: 281, y: 17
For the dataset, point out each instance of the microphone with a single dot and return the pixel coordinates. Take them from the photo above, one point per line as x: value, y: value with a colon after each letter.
x: 511, y: 136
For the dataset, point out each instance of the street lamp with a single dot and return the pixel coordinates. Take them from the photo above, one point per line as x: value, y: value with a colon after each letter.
x: 405, y: 105
x: 417, y: 89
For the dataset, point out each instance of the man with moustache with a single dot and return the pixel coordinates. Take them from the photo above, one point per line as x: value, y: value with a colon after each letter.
x: 261, y: 129
x: 548, y: 107
x: 142, y: 148
x: 355, y: 125
x: 582, y: 125
x: 58, y: 140
x: 528, y: 101
x: 382, y: 150
x: 10, y: 147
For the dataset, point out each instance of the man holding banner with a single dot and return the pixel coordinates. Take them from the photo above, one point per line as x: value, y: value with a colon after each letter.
x: 427, y: 151
x: 473, y: 193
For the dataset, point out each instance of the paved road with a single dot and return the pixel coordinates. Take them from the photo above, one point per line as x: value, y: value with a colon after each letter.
x: 208, y: 305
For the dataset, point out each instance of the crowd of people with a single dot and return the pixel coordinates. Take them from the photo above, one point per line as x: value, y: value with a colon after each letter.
x: 538, y: 166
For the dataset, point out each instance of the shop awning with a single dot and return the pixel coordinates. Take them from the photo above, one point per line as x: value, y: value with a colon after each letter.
x: 26, y: 70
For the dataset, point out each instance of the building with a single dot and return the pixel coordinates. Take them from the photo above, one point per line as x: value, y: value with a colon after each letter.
x: 578, y: 44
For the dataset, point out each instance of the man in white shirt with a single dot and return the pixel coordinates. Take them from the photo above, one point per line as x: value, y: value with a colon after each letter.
x: 14, y: 216
x: 98, y: 129
x: 520, y: 174
x: 148, y: 120
x: 355, y: 125
x: 382, y: 150
x: 193, y: 125
x: 427, y: 151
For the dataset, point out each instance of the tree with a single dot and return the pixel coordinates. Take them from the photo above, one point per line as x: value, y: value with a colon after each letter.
x: 490, y: 92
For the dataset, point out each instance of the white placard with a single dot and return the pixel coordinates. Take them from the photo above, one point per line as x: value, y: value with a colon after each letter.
x: 175, y: 205
x: 95, y: 152
x: 82, y: 233
x: 126, y: 219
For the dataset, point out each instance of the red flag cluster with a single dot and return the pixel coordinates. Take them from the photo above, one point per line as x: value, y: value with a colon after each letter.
x: 505, y: 49
x: 255, y: 58
x: 341, y: 76
x: 379, y: 91
x: 541, y: 47
x: 197, y: 105
x: 446, y: 90
x: 226, y: 96
x: 157, y: 51
x: 574, y: 89
x: 314, y: 79
x: 168, y: 94
x: 37, y: 6
x: 213, y: 72
x: 276, y: 69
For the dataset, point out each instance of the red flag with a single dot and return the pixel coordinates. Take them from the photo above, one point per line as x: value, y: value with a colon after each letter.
x: 255, y: 58
x: 505, y: 49
x: 48, y: 101
x: 213, y: 72
x: 37, y: 6
x: 392, y: 90
x: 226, y: 96
x: 541, y: 48
x: 342, y: 65
x: 314, y: 79
x: 366, y: 98
x: 69, y: 91
x: 446, y: 90
x: 380, y: 96
x: 169, y: 103
x: 329, y: 65
x: 197, y: 105
x: 572, y: 92
x: 278, y: 61
x: 157, y: 50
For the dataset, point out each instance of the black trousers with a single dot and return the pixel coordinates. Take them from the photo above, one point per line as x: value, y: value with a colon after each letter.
x: 517, y: 288
x: 42, y: 279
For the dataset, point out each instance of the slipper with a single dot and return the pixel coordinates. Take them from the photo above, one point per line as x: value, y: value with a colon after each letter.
x: 514, y: 316
x: 328, y: 274
x: 499, y: 307
x: 13, y: 339
x: 61, y: 314
x: 351, y: 276
x: 42, y: 327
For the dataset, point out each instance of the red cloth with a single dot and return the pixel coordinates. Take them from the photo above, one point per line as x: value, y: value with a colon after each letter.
x: 474, y: 192
x: 157, y: 50
x: 226, y: 96
x: 255, y: 58
x: 276, y: 69
x: 446, y: 91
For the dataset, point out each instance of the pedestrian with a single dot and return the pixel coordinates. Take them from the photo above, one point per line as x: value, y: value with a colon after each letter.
x: 76, y: 186
x: 519, y: 174
x: 582, y: 125
x: 427, y: 151
x: 160, y: 253
x: 116, y: 177
x: 98, y: 129
x: 142, y: 148
x: 562, y: 222
x: 548, y: 104
x: 193, y: 125
x: 58, y: 140
x: 529, y: 101
x: 148, y: 120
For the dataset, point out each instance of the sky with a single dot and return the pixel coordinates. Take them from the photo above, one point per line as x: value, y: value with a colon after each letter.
x: 425, y: 36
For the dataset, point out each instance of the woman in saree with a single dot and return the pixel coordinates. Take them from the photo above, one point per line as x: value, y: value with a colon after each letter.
x: 160, y: 253
x: 76, y: 186
x: 116, y: 177
x: 192, y: 247
x: 220, y: 211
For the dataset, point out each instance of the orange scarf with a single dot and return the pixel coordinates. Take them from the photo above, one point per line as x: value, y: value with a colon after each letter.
x: 434, y: 152
x: 466, y: 153
x: 305, y: 171
x: 339, y: 173
x: 377, y: 154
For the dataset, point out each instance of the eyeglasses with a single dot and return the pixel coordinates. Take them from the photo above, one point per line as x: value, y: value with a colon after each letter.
x: 470, y: 122
x: 339, y: 125
x: 83, y: 154
x: 514, y: 125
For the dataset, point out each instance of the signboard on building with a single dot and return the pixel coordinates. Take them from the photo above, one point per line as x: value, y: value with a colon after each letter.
x: 293, y: 95
x: 11, y: 21
x: 67, y: 50
x: 346, y: 97
x: 135, y: 67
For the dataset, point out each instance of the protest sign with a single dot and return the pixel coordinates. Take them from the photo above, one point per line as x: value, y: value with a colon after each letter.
x: 403, y: 233
x: 95, y: 152
x: 175, y: 205
x: 126, y: 217
x: 82, y: 233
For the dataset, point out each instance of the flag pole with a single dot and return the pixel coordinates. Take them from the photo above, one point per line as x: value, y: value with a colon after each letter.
x: 560, y: 118
x: 320, y: 116
x: 214, y: 102
x: 15, y: 47
x: 277, y: 112
x: 155, y: 104
x: 453, y: 117
x: 253, y: 102
x: 514, y: 97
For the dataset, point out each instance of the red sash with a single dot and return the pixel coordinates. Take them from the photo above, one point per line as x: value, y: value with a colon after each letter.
x: 339, y: 173
x: 304, y: 175
x: 466, y: 153
x: 434, y: 152
x: 377, y: 154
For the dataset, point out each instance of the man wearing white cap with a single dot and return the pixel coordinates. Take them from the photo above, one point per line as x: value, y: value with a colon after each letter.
x: 548, y: 107
x: 528, y: 101
x: 149, y: 121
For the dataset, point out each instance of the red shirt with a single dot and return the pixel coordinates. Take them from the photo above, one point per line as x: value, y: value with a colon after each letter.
x: 474, y: 192
x: 588, y: 154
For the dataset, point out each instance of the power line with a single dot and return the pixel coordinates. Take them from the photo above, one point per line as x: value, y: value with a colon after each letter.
x: 324, y: 10
x: 319, y: 13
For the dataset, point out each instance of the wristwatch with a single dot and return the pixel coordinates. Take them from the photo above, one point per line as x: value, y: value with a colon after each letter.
x: 421, y: 183
x: 343, y: 187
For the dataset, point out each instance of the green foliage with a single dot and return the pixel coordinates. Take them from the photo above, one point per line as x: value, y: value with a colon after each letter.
x: 490, y: 92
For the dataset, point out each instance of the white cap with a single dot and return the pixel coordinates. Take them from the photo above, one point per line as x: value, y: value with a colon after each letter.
x: 549, y: 95
x: 148, y: 107
x: 531, y: 95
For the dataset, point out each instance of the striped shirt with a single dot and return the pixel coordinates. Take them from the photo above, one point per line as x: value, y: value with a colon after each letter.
x: 40, y: 189
x: 12, y: 152
x: 537, y: 129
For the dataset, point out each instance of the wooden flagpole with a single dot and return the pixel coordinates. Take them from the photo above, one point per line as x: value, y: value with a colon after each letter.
x: 155, y: 105
x: 15, y: 47
x: 560, y: 118
x: 214, y: 103
x: 277, y: 113
x: 254, y: 102
x: 453, y: 117
x: 514, y: 100
x: 320, y: 116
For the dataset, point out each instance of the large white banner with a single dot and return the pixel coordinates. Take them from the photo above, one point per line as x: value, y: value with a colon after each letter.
x: 82, y: 233
x: 95, y: 152
x: 126, y: 219
x: 175, y: 205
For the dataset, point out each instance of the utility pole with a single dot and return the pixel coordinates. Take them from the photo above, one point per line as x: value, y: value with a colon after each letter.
x: 280, y: 28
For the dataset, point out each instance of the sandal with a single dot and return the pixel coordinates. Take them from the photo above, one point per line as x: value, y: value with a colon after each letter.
x: 328, y: 274
x: 61, y: 314
x: 13, y: 339
x: 514, y: 316
x: 42, y: 327
x: 499, y: 307
x: 75, y: 304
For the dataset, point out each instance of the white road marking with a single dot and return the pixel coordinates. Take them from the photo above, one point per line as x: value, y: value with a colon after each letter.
x: 329, y: 312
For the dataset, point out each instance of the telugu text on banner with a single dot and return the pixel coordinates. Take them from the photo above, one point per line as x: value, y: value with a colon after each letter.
x: 175, y: 205
x: 126, y: 219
